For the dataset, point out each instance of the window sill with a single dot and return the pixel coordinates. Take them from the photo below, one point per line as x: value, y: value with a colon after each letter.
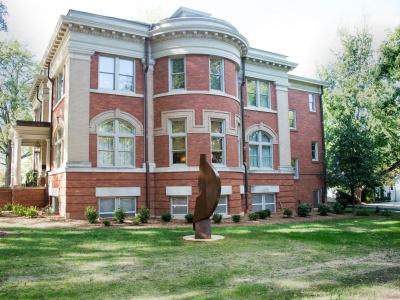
x: 116, y: 92
x: 260, y: 109
x: 315, y: 161
x: 294, y: 129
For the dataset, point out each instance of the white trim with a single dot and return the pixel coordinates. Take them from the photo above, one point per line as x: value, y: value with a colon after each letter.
x: 115, y: 114
x: 178, y: 190
x: 226, y: 190
x: 264, y: 202
x: 315, y: 151
x: 54, y: 192
x: 117, y: 205
x: 260, y: 109
x: 185, y: 168
x: 177, y: 135
x: 178, y: 216
x: 241, y: 188
x: 219, y: 135
x: 116, y: 92
x: 258, y: 94
x: 116, y: 72
x: 117, y: 191
x: 264, y: 189
x: 313, y: 101
x: 170, y: 72
x: 196, y: 92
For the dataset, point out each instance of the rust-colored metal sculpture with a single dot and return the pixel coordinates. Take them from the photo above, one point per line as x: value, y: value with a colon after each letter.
x: 210, y: 191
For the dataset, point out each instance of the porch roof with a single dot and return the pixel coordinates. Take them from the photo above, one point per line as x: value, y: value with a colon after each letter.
x: 31, y: 132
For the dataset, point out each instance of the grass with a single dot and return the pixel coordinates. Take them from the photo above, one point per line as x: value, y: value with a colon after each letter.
x: 354, y: 258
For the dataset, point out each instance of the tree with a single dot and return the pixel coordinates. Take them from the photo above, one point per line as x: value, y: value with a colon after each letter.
x: 16, y: 75
x: 3, y: 14
x: 355, y: 95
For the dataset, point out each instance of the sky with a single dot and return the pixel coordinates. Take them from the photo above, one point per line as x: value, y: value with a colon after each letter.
x: 305, y: 31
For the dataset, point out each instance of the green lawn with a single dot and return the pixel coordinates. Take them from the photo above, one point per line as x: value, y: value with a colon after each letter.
x: 334, y: 259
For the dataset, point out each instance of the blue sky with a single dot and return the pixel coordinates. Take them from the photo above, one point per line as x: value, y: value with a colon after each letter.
x: 304, y: 30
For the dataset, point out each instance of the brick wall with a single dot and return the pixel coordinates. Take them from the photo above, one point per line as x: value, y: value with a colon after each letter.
x: 26, y: 196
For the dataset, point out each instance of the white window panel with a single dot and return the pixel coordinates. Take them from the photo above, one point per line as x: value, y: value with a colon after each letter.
x: 292, y: 119
x: 116, y: 73
x: 179, y: 206
x: 263, y: 201
x: 222, y: 207
x: 258, y: 93
x: 218, y: 141
x: 216, y: 73
x: 311, y: 102
x: 177, y: 73
x: 178, y: 141
x: 107, y: 206
x: 261, y: 150
x: 295, y: 166
x: 314, y: 151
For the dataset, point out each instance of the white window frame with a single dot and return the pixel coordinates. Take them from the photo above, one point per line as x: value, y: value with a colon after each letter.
x: 179, y: 134
x: 312, y: 107
x: 219, y: 135
x: 117, y: 204
x: 116, y: 135
x: 178, y: 216
x: 226, y: 205
x: 259, y: 145
x: 264, y: 201
x: 222, y: 73
x: 294, y: 119
x: 116, y: 73
x: 295, y: 166
x: 258, y: 94
x: 239, y: 138
x: 59, y: 147
x: 170, y: 81
x: 314, y: 149
x: 60, y: 85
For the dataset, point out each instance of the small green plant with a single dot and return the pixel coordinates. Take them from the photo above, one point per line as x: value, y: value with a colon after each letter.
x: 338, y: 208
x: 19, y: 210
x: 119, y: 215
x: 8, y: 207
x: 217, y: 218
x: 189, y: 218
x: 304, y: 209
x: 137, y: 220
x: 166, y: 217
x: 262, y: 214
x: 287, y: 212
x: 236, y: 218
x: 386, y: 213
x: 144, y: 214
x: 253, y: 216
x: 31, y: 178
x: 91, y: 214
x: 323, y: 209
x: 106, y: 223
x: 31, y: 212
x: 377, y: 210
x: 361, y: 212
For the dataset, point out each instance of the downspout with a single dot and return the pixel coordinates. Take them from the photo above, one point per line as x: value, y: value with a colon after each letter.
x: 324, y: 190
x: 146, y: 136
x: 244, y: 157
x: 51, y: 128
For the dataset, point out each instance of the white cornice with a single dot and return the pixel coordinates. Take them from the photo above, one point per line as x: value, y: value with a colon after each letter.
x: 307, y: 80
x: 195, y: 92
x: 270, y: 58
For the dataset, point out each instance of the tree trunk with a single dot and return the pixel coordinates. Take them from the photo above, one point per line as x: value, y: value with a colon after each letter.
x: 353, y: 200
x: 7, y: 178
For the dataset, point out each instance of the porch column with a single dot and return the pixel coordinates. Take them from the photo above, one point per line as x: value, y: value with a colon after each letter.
x: 48, y: 154
x: 17, y: 162
x: 283, y: 127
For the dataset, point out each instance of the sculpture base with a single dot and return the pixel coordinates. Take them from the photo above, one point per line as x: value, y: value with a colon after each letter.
x: 203, y: 229
x: 214, y: 238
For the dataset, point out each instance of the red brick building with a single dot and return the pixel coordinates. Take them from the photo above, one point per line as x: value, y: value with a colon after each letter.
x: 123, y: 110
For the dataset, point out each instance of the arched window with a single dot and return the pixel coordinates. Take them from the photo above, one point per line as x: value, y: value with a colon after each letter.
x: 115, y: 144
x: 260, y: 150
x: 59, y: 146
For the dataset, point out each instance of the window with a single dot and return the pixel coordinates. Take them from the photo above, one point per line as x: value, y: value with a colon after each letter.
x: 238, y: 83
x: 222, y: 207
x: 239, y: 144
x: 218, y: 141
x: 317, y: 197
x: 177, y: 73
x: 260, y: 150
x: 258, y: 93
x: 59, y: 145
x: 292, y: 119
x: 107, y: 206
x: 178, y: 141
x: 216, y: 74
x: 179, y: 206
x: 115, y: 144
x: 314, y: 151
x: 263, y: 201
x: 295, y: 166
x: 60, y: 85
x: 311, y: 102
x: 116, y: 73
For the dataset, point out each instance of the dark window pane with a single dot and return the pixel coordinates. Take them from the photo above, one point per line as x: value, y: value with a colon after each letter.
x: 179, y: 157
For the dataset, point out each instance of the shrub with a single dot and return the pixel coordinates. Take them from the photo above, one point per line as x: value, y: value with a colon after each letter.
x: 253, y: 217
x: 137, y: 220
x: 287, y: 212
x: 144, y: 214
x: 338, y: 208
x: 166, y: 217
x: 119, y: 215
x: 377, y: 210
x: 189, y: 218
x: 262, y: 214
x: 91, y: 214
x: 106, y: 223
x: 31, y: 212
x: 343, y: 198
x: 236, y: 218
x: 31, y: 178
x: 304, y: 209
x: 386, y: 213
x: 323, y: 209
x: 19, y: 210
x: 217, y: 218
x: 8, y: 207
x: 362, y: 212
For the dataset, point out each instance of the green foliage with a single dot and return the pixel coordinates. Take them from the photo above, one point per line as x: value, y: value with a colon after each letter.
x: 31, y: 212
x: 323, y: 209
x: 166, y: 217
x: 377, y: 210
x: 262, y: 214
x: 23, y: 211
x: 236, y: 218
x: 386, y: 213
x: 189, y: 218
x: 361, y: 212
x: 106, y: 223
x: 136, y: 220
x: 217, y: 218
x: 253, y: 216
x: 343, y: 198
x: 119, y: 215
x: 304, y: 209
x: 91, y: 214
x: 31, y: 178
x: 338, y: 208
x: 8, y: 207
x: 3, y: 14
x: 144, y: 214
x: 287, y: 212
